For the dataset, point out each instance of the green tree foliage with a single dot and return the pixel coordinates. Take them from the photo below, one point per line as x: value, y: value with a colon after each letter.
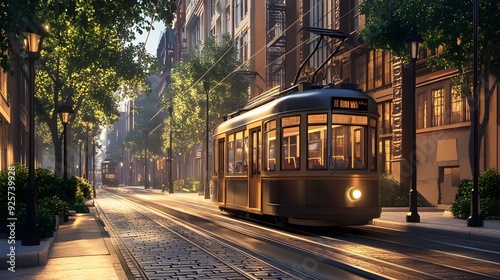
x: 215, y: 63
x: 447, y: 27
x: 149, y: 126
x: 86, y: 59
x: 124, y: 17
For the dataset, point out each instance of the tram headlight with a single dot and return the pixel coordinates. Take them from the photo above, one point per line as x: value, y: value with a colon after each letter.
x: 354, y: 194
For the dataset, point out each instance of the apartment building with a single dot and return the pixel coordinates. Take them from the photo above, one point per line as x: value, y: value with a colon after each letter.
x: 271, y: 46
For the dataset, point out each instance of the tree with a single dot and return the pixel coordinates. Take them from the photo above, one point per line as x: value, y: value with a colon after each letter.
x: 149, y: 126
x: 446, y: 25
x: 215, y: 63
x: 86, y: 59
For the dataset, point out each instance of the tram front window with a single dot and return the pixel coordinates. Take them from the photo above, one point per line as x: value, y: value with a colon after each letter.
x: 349, y: 142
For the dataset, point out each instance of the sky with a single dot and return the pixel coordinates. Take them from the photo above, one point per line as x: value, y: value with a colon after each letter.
x: 153, y: 39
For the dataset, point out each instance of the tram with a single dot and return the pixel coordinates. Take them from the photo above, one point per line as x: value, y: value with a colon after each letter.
x: 109, y: 169
x: 308, y: 156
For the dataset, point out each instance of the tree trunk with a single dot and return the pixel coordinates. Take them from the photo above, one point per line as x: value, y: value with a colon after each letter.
x: 58, y: 153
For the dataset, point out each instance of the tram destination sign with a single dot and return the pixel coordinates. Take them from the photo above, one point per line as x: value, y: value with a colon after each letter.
x: 349, y: 103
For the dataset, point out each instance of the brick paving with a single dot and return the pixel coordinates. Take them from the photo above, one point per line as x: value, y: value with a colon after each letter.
x: 162, y: 254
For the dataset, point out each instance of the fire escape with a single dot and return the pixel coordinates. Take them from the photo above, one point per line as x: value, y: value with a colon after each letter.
x: 275, y: 54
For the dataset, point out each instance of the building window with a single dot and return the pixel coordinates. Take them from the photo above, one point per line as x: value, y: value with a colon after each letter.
x: 3, y: 83
x: 422, y: 110
x: 437, y: 113
x: 227, y: 26
x: 375, y: 73
x: 385, y: 117
x: 237, y: 48
x: 385, y: 155
x: 238, y: 12
x: 360, y: 68
x: 459, y: 107
x: 243, y: 52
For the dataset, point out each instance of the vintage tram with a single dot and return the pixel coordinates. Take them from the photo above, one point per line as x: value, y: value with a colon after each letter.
x: 308, y: 156
x: 109, y: 169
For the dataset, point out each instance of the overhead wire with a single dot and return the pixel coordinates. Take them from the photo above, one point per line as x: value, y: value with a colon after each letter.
x: 260, y: 50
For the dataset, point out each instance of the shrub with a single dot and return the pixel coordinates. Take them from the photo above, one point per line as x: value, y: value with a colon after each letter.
x: 55, y: 205
x: 489, y: 193
x: 85, y: 187
x: 45, y: 221
x: 391, y: 193
x: 47, y: 184
x: 178, y: 185
x: 460, y: 208
x: 188, y: 185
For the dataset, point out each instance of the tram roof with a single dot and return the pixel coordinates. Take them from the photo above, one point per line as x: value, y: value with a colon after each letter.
x: 297, y: 101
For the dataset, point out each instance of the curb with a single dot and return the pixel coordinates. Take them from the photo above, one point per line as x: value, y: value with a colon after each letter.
x: 26, y: 256
x: 451, y: 232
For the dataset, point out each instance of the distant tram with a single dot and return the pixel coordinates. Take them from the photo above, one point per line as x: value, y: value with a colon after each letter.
x: 109, y: 169
x: 308, y: 156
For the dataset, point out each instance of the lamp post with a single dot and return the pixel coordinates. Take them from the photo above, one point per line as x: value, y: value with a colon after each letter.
x: 475, y: 219
x: 121, y: 173
x: 32, y: 47
x: 146, y: 185
x: 206, y: 86
x: 170, y: 182
x: 80, y: 143
x: 64, y: 112
x: 413, y: 45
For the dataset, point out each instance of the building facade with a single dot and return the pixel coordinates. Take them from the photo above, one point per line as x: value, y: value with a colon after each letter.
x: 271, y: 45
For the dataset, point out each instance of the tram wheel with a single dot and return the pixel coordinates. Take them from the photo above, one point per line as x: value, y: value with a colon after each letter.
x: 281, y: 221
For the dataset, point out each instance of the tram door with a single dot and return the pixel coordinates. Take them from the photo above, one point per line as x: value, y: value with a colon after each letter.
x: 220, y: 172
x: 254, y: 185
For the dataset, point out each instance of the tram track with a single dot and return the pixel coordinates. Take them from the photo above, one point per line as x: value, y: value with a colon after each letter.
x: 254, y: 264
x: 353, y: 248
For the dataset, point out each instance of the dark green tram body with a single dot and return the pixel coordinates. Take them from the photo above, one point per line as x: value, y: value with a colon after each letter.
x: 307, y: 157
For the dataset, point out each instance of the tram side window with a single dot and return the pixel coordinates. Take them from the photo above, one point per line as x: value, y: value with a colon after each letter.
x: 270, y: 146
x: 241, y: 150
x: 373, y: 137
x: 290, y: 143
x: 230, y: 154
x: 215, y: 158
x: 316, y: 141
x: 349, y: 142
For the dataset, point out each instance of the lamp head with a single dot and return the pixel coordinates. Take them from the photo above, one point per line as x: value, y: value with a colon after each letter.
x: 35, y: 35
x: 65, y: 111
x: 413, y: 42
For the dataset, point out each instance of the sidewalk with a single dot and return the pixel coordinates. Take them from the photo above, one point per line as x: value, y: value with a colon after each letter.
x: 83, y: 250
x: 80, y: 250
x: 439, y: 222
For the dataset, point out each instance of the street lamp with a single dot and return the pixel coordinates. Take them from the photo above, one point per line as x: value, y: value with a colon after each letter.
x: 206, y: 86
x: 170, y: 182
x: 32, y: 47
x: 475, y: 219
x: 64, y: 112
x: 146, y: 185
x: 413, y: 42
